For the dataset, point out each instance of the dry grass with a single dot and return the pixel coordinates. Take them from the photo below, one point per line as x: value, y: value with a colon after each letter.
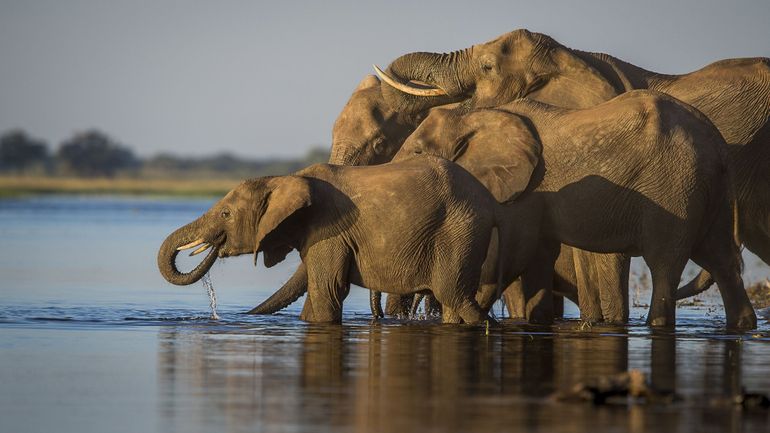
x: 759, y: 294
x: 15, y: 186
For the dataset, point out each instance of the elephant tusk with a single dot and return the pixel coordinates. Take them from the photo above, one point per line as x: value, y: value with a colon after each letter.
x: 409, y: 88
x: 203, y: 248
x: 191, y: 245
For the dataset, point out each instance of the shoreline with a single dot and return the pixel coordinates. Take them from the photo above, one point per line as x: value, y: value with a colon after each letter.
x: 21, y: 186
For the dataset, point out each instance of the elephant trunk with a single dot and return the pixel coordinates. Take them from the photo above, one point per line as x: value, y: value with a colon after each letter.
x: 347, y: 152
x: 290, y: 292
x: 169, y: 250
x: 449, y: 72
x: 697, y: 285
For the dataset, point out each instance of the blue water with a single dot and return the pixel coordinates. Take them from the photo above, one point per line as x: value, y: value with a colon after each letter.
x: 92, y: 339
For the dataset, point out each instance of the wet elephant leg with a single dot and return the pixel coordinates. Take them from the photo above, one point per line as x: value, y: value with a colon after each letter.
x: 515, y: 301
x: 432, y: 306
x: 486, y: 296
x: 537, y: 283
x: 375, y: 304
x: 613, y: 290
x: 602, y: 281
x: 328, y: 286
x: 558, y: 306
x: 398, y: 305
x: 589, y: 300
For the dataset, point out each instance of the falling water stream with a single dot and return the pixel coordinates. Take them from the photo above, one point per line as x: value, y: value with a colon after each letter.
x: 212, y: 296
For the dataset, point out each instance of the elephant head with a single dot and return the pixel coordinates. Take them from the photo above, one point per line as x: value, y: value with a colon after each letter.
x: 368, y: 131
x: 497, y: 147
x: 514, y: 65
x: 247, y: 220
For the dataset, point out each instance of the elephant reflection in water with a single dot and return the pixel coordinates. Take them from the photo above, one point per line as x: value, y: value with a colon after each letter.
x: 397, y: 378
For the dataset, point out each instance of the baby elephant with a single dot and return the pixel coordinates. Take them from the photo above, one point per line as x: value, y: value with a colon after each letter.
x: 422, y: 224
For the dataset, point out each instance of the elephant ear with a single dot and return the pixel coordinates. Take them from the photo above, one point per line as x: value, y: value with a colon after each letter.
x: 499, y: 150
x: 577, y: 84
x: 288, y: 195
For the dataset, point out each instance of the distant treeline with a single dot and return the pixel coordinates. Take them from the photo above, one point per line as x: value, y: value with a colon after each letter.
x: 93, y: 154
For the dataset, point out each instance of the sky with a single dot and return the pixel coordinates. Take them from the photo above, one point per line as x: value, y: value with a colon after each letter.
x: 268, y: 78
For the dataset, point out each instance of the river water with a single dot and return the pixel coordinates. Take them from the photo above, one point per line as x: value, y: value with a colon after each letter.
x: 92, y: 339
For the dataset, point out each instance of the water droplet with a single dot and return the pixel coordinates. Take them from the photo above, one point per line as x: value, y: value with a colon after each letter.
x: 206, y: 280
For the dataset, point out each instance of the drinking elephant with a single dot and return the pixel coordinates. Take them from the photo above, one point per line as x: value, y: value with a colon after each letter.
x: 641, y: 175
x: 433, y: 236
x: 734, y: 94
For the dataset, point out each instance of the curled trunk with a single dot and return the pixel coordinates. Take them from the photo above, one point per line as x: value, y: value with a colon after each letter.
x: 168, y: 252
x: 697, y: 285
x: 448, y: 72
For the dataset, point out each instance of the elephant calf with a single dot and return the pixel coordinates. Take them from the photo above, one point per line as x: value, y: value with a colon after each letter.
x: 403, y: 228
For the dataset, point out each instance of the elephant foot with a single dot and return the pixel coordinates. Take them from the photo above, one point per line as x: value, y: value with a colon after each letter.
x: 745, y: 321
x: 660, y: 322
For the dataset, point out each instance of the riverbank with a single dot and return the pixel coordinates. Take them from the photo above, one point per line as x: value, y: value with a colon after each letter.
x: 11, y: 186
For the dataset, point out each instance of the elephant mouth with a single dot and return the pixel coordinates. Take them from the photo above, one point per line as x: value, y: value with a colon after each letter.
x: 204, y: 245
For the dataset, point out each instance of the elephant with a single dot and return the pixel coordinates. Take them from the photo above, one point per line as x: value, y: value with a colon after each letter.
x: 369, y: 132
x: 642, y: 175
x: 366, y: 132
x: 350, y: 227
x: 734, y: 94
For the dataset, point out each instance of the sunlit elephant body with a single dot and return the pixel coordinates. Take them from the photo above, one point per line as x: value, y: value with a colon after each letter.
x: 640, y: 175
x: 734, y: 94
x: 350, y: 226
x: 369, y: 132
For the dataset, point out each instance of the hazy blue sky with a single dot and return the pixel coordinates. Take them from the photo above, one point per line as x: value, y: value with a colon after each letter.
x: 269, y: 78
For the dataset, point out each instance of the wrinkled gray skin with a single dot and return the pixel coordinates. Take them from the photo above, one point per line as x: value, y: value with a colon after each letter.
x: 734, y: 94
x: 641, y: 175
x: 434, y: 238
x: 368, y: 132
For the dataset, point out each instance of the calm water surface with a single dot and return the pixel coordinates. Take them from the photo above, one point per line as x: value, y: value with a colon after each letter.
x: 92, y: 339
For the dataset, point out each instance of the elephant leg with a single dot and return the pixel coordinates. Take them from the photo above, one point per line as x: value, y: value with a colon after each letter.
x: 537, y: 283
x: 416, y: 299
x: 558, y: 306
x: 612, y: 272
x: 307, y: 310
x: 432, y: 306
x: 328, y: 285
x: 398, y: 305
x: 726, y: 271
x: 666, y: 272
x: 515, y: 301
x: 375, y: 304
x: 589, y: 299
x: 486, y: 296
x: 449, y: 315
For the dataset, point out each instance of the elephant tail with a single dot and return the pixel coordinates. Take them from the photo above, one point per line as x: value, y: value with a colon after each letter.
x: 288, y: 293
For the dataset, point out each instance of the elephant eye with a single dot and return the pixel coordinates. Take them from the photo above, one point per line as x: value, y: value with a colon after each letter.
x: 417, y: 151
x: 225, y: 213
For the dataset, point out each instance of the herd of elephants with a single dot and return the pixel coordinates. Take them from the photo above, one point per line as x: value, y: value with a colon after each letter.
x: 516, y: 168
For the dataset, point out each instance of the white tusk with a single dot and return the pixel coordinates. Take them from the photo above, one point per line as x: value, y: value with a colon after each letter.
x: 203, y: 248
x: 191, y: 245
x: 410, y: 88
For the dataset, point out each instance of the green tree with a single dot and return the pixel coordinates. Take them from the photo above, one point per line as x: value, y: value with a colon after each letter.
x: 19, y: 152
x: 93, y: 153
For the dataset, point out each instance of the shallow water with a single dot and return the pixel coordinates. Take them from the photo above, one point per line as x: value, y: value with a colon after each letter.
x: 93, y: 339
